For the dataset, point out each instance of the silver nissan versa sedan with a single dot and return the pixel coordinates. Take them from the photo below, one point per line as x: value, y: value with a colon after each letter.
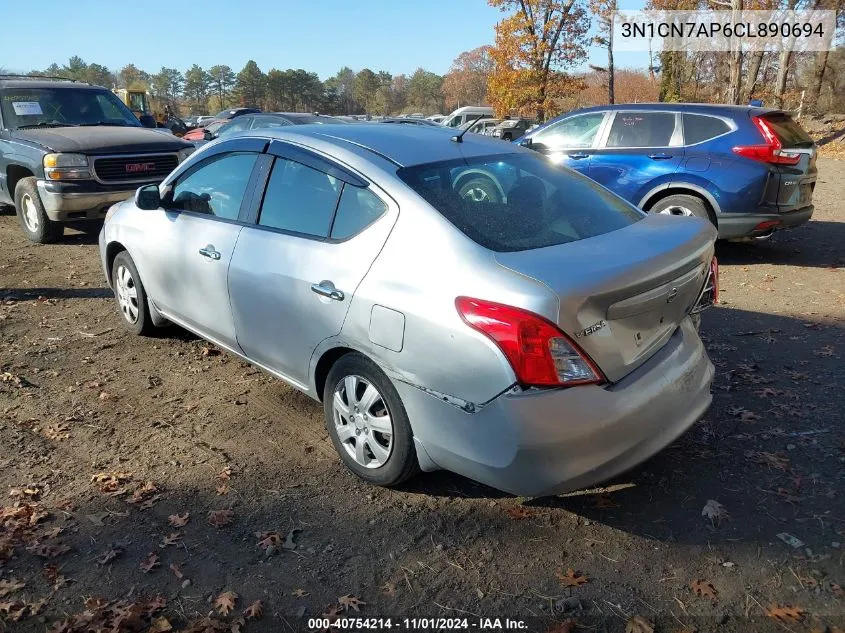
x: 454, y: 302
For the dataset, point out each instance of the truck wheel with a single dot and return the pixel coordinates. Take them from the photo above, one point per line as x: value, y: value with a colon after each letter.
x: 37, y: 226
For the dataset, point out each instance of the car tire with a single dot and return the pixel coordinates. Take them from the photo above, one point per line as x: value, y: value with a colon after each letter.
x: 131, y: 296
x: 479, y: 189
x: 682, y: 204
x: 355, y: 420
x: 32, y: 215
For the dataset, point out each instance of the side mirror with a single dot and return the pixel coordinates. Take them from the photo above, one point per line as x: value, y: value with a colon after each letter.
x: 526, y: 142
x: 208, y: 136
x: 148, y: 198
x: 147, y: 120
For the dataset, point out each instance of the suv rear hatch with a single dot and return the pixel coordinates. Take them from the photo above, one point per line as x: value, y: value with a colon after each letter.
x: 623, y: 294
x: 791, y: 152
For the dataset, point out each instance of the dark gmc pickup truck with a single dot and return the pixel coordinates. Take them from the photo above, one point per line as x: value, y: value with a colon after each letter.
x: 69, y: 150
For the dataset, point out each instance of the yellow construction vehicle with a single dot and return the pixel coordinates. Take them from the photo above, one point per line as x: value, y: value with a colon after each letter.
x: 142, y: 103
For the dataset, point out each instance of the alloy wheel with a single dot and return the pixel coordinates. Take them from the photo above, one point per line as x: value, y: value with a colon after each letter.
x: 362, y: 421
x: 127, y: 294
x: 676, y: 210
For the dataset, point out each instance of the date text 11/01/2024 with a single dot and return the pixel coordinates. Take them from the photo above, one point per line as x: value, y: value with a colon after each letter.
x: 417, y: 624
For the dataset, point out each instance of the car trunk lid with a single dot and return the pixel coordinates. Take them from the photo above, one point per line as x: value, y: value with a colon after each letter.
x: 623, y: 294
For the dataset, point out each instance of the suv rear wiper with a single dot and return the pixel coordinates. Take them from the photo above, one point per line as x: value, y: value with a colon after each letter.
x: 46, y: 124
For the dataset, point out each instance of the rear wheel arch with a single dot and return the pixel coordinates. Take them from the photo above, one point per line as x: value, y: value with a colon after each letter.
x: 684, y: 190
x: 328, y: 360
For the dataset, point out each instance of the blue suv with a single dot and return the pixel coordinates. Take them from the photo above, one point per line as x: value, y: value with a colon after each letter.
x: 749, y: 170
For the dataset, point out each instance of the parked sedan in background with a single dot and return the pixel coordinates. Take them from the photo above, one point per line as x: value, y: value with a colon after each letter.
x: 539, y: 343
x: 235, y: 112
x: 749, y: 170
x: 265, y: 120
x: 198, y: 134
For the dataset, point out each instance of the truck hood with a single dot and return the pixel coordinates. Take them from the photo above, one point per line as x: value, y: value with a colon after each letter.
x: 102, y: 140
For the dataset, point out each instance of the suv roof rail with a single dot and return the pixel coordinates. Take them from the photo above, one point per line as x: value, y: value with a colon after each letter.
x: 37, y: 77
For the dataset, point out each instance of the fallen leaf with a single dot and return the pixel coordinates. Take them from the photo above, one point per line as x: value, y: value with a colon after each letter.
x: 10, y: 586
x: 48, y: 551
x: 785, y: 613
x: 36, y: 607
x: 778, y: 461
x: 638, y: 624
x: 109, y: 555
x: 704, y: 588
x: 222, y: 489
x: 173, y: 538
x: 388, y: 589
x: 149, y: 563
x: 350, y: 602
x: 572, y: 578
x: 225, y: 602
x: 714, y: 511
x: 519, y: 512
x: 220, y: 518
x: 300, y: 593
x: 267, y: 540
x: 837, y: 590
x: 160, y: 625
x: 225, y: 474
x: 254, y: 611
x: 179, y: 520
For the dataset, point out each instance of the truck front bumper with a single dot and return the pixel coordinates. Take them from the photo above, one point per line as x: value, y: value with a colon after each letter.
x: 65, y: 201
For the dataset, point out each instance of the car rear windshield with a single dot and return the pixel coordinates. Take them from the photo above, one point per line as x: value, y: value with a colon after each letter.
x: 788, y: 131
x: 518, y: 201
x: 60, y: 107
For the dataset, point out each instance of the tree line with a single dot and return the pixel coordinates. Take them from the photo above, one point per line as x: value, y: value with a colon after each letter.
x: 207, y: 90
x: 529, y: 70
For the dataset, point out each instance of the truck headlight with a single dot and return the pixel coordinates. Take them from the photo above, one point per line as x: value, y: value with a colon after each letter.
x: 184, y: 153
x: 66, y: 167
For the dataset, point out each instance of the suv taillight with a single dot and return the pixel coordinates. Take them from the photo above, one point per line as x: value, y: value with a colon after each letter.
x: 539, y: 353
x: 772, y: 151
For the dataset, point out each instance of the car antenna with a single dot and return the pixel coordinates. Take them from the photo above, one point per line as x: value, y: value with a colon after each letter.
x: 459, y: 138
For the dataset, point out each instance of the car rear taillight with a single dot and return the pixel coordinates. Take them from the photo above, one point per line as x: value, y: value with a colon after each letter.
x: 772, y: 151
x: 539, y: 353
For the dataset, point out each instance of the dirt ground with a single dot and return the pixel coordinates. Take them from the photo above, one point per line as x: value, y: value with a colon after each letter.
x: 196, y: 431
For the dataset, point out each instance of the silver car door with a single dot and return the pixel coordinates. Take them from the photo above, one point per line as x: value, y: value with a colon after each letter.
x: 190, y: 241
x: 294, y: 272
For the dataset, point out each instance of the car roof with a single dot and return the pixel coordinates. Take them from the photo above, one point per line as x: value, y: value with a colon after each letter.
x: 711, y: 108
x: 46, y: 83
x: 403, y: 145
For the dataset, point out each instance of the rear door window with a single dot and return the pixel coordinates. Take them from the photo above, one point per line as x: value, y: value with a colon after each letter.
x: 299, y: 199
x: 358, y: 208
x: 788, y: 131
x: 642, y: 129
x: 700, y: 127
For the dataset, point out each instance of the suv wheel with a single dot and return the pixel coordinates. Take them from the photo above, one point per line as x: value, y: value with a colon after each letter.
x: 34, y: 221
x: 681, y: 204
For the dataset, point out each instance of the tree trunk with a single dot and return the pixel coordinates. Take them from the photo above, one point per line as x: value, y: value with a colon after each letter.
x: 784, y: 60
x: 818, y: 77
x: 735, y: 58
x: 751, y: 81
x: 610, y: 95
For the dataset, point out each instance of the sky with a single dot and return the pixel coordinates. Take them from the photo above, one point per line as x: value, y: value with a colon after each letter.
x: 319, y: 35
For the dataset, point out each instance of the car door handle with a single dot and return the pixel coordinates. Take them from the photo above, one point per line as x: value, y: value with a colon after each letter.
x: 327, y: 289
x: 578, y: 155
x: 660, y: 156
x: 210, y: 252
